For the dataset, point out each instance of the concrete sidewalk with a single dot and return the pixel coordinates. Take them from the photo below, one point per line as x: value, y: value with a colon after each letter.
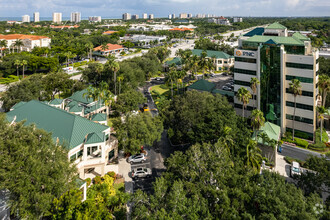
x: 124, y: 169
x: 282, y: 167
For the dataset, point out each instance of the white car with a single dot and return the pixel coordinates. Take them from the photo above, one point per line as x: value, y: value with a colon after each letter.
x: 137, y: 158
x: 295, y: 169
x: 141, y: 173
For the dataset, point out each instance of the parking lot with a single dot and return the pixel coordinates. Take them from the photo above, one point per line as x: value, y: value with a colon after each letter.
x: 221, y: 81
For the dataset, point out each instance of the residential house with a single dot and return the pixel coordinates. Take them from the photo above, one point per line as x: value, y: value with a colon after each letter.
x: 89, y: 144
x: 111, y: 49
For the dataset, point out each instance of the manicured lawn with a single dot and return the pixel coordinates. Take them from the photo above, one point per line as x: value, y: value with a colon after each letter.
x: 159, y: 88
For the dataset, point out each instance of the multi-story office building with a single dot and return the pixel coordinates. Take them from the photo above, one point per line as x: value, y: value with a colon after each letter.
x: 189, y: 15
x: 95, y: 18
x: 36, y: 17
x: 183, y: 15
x: 75, y: 17
x: 275, y: 58
x: 127, y: 16
x: 57, y: 17
x: 151, y: 16
x: 135, y: 17
x: 144, y: 16
x: 169, y: 16
x: 26, y: 18
x: 173, y: 16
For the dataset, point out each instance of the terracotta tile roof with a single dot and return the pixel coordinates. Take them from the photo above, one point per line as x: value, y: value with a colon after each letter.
x: 110, y: 47
x: 181, y: 29
x: 110, y: 32
x: 21, y: 37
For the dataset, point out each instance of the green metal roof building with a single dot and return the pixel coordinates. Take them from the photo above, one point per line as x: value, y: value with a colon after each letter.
x: 212, y: 54
x: 68, y: 128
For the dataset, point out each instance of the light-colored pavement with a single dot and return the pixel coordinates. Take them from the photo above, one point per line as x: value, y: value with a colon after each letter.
x: 282, y: 167
x: 124, y: 169
x: 184, y: 45
x: 3, y: 88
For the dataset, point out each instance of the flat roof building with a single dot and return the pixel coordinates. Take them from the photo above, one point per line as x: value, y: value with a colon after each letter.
x: 36, y: 17
x: 127, y: 16
x: 135, y: 17
x: 26, y: 18
x: 151, y: 16
x: 144, y: 16
x: 57, y: 17
x: 95, y: 18
x: 75, y: 17
x: 275, y: 58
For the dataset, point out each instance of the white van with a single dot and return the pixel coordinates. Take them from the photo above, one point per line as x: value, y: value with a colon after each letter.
x: 295, y: 169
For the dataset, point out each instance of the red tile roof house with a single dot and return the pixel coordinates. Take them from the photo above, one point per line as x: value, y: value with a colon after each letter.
x: 111, y: 49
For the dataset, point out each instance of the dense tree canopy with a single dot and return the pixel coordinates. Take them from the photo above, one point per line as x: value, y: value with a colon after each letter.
x: 201, y: 117
x: 33, y: 169
x: 204, y: 183
x: 138, y: 130
x: 129, y: 101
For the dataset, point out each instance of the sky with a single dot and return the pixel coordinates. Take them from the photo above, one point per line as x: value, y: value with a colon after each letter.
x: 161, y: 8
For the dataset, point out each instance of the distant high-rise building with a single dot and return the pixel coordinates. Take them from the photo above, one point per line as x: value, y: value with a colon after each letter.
x: 183, y: 15
x: 57, y: 17
x: 36, y: 17
x: 173, y: 16
x: 145, y: 16
x: 127, y: 16
x: 151, y: 16
x: 238, y: 20
x: 26, y: 18
x: 169, y: 16
x: 135, y: 17
x: 189, y: 15
x: 75, y: 17
x: 95, y: 18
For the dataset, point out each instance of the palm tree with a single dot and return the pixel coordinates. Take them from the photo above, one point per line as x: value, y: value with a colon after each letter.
x: 226, y: 139
x: 253, y: 156
x: 324, y: 87
x: 210, y: 65
x: 120, y: 79
x: 203, y: 62
x: 254, y: 87
x: 193, y: 64
x: 170, y: 77
x: 18, y: 44
x: 244, y: 96
x: 295, y: 89
x: 3, y: 45
x: 104, y: 46
x: 93, y: 93
x: 257, y: 120
x: 89, y: 46
x: 24, y: 63
x: 105, y: 95
x: 321, y: 110
x: 114, y: 67
x: 68, y: 56
x: 17, y: 64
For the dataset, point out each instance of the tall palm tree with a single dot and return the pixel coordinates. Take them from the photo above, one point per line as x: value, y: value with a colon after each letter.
x: 120, y: 79
x: 89, y: 47
x: 114, y: 67
x: 171, y: 77
x: 226, y: 139
x: 93, y: 93
x: 324, y: 87
x: 104, y: 46
x: 210, y: 65
x: 295, y: 89
x: 257, y: 120
x: 68, y: 56
x: 104, y: 94
x: 244, y: 96
x: 321, y: 110
x: 203, y: 61
x: 24, y: 63
x: 17, y: 63
x: 18, y: 44
x: 254, y: 87
x: 3, y: 45
x: 253, y: 156
x: 193, y: 64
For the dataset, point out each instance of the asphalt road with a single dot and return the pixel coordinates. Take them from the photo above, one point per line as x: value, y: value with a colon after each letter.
x: 298, y: 153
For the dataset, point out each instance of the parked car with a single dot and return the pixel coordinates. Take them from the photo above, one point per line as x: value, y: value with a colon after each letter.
x: 228, y: 84
x: 141, y: 173
x: 137, y: 158
x: 212, y: 74
x: 295, y: 169
x: 226, y: 88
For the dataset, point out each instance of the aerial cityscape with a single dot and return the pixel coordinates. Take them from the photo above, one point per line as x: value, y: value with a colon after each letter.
x: 178, y: 109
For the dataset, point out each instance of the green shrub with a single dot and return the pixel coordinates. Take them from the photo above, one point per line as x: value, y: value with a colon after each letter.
x: 325, y: 137
x: 9, y: 79
x: 88, y: 181
x: 112, y: 174
x: 290, y: 160
x: 97, y: 180
x: 300, y: 142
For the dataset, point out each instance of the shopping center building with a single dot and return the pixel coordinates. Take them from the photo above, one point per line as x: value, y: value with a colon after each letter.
x: 275, y: 58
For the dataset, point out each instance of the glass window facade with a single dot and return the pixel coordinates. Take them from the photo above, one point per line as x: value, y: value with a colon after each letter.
x: 301, y: 79
x: 301, y: 134
x: 300, y: 119
x: 301, y: 106
x: 249, y: 108
x: 242, y: 83
x: 292, y: 49
x: 299, y: 65
x: 250, y: 45
x: 246, y: 60
x: 270, y: 78
x: 304, y: 93
x: 248, y: 72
